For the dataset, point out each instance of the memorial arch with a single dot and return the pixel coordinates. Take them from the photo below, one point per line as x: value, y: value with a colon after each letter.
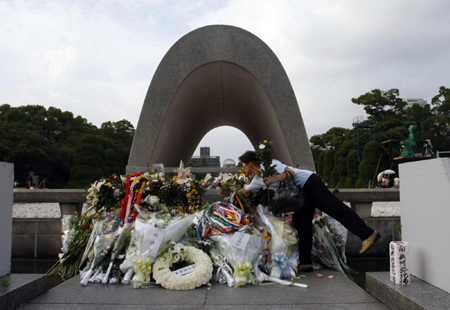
x: 215, y: 76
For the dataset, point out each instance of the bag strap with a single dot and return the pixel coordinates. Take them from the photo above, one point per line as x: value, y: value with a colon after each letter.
x: 284, y: 182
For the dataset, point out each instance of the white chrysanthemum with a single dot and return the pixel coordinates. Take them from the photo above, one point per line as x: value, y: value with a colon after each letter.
x: 262, y: 146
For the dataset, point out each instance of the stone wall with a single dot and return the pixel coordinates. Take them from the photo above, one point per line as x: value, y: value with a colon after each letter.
x: 6, y: 204
x: 425, y: 196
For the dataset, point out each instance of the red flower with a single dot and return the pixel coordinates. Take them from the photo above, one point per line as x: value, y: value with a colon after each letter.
x: 219, y: 184
x: 87, y: 226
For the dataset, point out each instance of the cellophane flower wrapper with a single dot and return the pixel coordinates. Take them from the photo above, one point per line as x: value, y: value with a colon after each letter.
x: 127, y: 266
x: 102, y: 246
x: 120, y: 246
x: 68, y: 230
x: 144, y: 256
x: 262, y: 277
x: 239, y: 258
x: 255, y: 246
x: 224, y: 272
x: 324, y: 249
x: 280, y: 262
x: 339, y: 234
x: 104, y: 225
x: 173, y: 232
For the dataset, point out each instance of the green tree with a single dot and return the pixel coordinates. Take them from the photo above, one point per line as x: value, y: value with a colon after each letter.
x: 350, y: 181
x: 87, y: 163
x: 320, y: 164
x: 332, y: 139
x: 328, y: 165
x: 192, y: 163
x: 380, y: 105
x: 335, y: 173
x: 439, y: 122
x: 387, y: 111
x: 204, y: 162
x: 114, y: 162
x: 103, y: 165
x: 341, y: 163
x: 369, y: 163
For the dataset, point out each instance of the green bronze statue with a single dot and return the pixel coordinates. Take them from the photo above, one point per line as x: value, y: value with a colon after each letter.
x: 410, y: 143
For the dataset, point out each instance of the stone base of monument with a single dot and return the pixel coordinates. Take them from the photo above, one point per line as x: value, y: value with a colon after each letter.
x: 417, y: 295
x: 21, y: 289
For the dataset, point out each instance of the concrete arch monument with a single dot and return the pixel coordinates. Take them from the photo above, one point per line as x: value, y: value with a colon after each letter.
x: 214, y: 76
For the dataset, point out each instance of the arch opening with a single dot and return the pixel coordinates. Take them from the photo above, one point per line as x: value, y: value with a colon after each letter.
x: 213, y: 95
x: 225, y: 141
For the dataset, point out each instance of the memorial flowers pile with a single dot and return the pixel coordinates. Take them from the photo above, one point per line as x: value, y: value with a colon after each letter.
x: 151, y: 228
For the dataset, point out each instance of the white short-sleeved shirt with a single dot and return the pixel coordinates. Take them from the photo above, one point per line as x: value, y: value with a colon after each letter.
x: 301, y: 176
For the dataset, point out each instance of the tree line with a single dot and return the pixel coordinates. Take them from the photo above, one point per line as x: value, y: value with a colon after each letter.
x: 68, y: 151
x: 375, y: 141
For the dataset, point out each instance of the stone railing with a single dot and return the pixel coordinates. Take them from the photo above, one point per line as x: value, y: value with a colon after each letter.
x: 71, y: 200
x: 361, y: 199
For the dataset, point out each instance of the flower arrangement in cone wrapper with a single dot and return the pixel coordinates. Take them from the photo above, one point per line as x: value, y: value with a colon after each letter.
x: 153, y: 229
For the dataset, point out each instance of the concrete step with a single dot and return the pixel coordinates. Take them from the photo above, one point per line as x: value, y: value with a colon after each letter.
x: 21, y: 289
x: 416, y: 295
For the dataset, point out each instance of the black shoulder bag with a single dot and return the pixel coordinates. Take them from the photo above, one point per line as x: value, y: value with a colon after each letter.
x: 288, y: 199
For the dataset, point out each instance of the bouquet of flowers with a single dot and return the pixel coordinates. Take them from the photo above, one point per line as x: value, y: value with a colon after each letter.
x: 105, y: 195
x: 102, y: 247
x: 324, y: 249
x: 241, y: 250
x: 70, y: 261
x: 151, y: 237
x: 68, y: 225
x: 262, y: 277
x: 120, y: 247
x: 283, y: 256
x: 227, y: 183
x: 224, y: 273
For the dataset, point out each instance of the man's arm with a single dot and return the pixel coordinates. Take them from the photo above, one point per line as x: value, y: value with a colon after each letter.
x: 280, y: 178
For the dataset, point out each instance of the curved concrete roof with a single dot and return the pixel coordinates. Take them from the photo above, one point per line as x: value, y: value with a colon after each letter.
x: 215, y: 76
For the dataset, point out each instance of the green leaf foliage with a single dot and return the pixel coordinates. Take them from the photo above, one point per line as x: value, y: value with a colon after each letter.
x: 328, y: 165
x: 368, y: 167
x: 335, y: 173
x: 350, y: 181
x: 320, y: 164
x: 341, y: 162
x: 44, y: 140
x: 88, y: 163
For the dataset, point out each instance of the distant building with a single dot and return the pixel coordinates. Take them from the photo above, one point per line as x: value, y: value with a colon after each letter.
x: 204, y: 152
x: 229, y: 163
x: 211, y: 161
x: 411, y: 101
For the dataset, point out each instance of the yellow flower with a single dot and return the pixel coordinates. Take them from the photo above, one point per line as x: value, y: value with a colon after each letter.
x: 265, y: 141
x: 96, y: 215
x: 108, y: 184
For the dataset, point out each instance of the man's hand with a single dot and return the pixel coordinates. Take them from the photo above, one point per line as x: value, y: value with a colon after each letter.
x: 269, y: 180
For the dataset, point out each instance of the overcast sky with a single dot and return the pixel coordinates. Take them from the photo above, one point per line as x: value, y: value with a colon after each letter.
x: 97, y: 58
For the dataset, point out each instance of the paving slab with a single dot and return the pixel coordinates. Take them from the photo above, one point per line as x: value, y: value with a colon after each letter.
x: 322, y: 293
x: 416, y: 295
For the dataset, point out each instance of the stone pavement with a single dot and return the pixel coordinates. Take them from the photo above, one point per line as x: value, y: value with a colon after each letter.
x: 322, y: 293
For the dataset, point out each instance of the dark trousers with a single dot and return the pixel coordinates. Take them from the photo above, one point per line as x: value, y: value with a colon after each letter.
x: 318, y: 196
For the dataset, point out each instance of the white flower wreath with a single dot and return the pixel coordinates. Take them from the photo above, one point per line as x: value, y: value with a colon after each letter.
x: 200, y: 276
